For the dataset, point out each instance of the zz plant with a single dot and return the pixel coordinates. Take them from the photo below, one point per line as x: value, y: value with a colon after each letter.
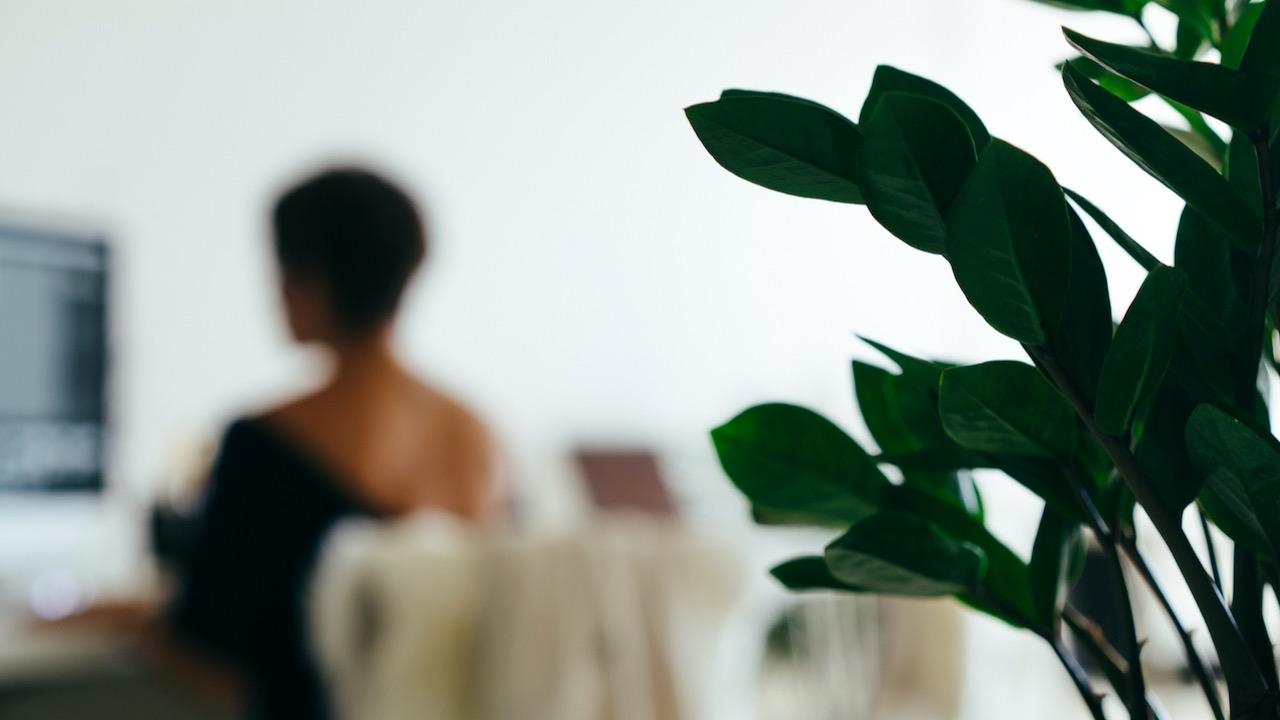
x: 1164, y: 410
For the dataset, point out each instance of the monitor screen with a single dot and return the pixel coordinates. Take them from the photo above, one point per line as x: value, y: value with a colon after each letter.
x: 52, y: 360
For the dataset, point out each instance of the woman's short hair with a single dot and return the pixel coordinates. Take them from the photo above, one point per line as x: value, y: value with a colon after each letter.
x: 358, y: 234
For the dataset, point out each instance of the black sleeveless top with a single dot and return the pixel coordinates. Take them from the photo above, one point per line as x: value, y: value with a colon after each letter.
x: 243, y: 585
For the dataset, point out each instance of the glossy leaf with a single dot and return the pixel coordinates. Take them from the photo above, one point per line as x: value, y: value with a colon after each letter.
x: 810, y: 573
x: 1188, y: 40
x: 1044, y: 477
x: 955, y: 487
x: 911, y: 366
x: 901, y: 412
x: 782, y: 143
x: 1009, y: 240
x: 1261, y: 58
x: 1166, y: 159
x: 902, y: 554
x: 1215, y: 271
x: 1126, y: 242
x: 1053, y: 556
x: 1161, y: 447
x: 1242, y: 170
x: 1081, y: 337
x: 1117, y: 85
x: 916, y: 154
x: 1229, y: 95
x: 888, y: 79
x: 787, y: 458
x: 1196, y: 13
x: 1142, y: 349
x: 1006, y: 407
x: 1243, y: 473
x: 1005, y: 591
x: 1233, y: 45
x: 771, y: 517
x: 1199, y: 137
x: 1131, y: 8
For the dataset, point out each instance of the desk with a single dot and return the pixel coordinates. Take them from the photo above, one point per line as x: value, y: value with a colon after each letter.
x: 50, y: 675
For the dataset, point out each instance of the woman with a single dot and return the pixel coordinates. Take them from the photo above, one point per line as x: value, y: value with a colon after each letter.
x: 373, y: 441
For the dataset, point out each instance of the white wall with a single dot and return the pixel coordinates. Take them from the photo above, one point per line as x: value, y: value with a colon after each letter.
x: 597, y: 275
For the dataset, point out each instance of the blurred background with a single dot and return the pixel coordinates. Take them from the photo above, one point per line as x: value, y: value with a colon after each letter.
x: 597, y: 281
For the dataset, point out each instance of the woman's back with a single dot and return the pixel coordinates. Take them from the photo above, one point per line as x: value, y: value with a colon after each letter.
x: 394, y: 442
x: 372, y: 441
x: 280, y: 484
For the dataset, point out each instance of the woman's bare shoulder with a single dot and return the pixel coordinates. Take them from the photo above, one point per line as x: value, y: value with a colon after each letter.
x: 469, y: 451
x: 446, y: 412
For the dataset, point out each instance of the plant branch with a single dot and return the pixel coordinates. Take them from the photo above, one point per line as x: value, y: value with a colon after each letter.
x: 1088, y: 634
x: 1193, y: 656
x: 1246, y: 605
x: 1135, y: 694
x: 1078, y: 676
x: 1244, y: 678
x: 1208, y: 546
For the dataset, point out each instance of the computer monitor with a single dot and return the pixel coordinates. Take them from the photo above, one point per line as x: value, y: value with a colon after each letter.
x: 53, y: 355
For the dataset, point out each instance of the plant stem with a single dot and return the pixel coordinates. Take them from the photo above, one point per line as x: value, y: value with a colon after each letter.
x: 1088, y: 633
x: 1208, y: 546
x: 1193, y: 656
x: 1246, y: 605
x: 1245, y: 681
x: 1135, y: 695
x: 1079, y: 677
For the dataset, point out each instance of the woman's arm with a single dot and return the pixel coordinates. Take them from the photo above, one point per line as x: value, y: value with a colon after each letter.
x: 142, y: 626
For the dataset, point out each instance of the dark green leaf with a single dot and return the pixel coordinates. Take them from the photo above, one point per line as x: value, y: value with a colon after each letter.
x: 1227, y: 505
x: 1123, y: 239
x: 1006, y: 407
x: 741, y: 93
x: 1161, y: 448
x: 1243, y: 476
x: 1196, y: 13
x: 1189, y: 39
x: 786, y: 144
x: 1131, y: 8
x: 1199, y: 136
x: 1213, y: 273
x: 1121, y: 87
x: 1005, y: 591
x: 957, y: 488
x: 809, y: 573
x: 787, y: 458
x: 928, y: 371
x: 901, y: 554
x: 1261, y: 58
x: 1141, y: 351
x: 1082, y: 336
x: 1056, y: 546
x: 1203, y: 359
x: 916, y: 153
x: 1242, y: 170
x: 761, y: 515
x: 1046, y: 478
x: 1226, y: 94
x: 1166, y: 159
x: 901, y: 412
x: 889, y: 79
x: 1009, y: 240
x: 1237, y: 38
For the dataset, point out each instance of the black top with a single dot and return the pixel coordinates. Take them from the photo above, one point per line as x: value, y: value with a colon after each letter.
x: 243, y: 584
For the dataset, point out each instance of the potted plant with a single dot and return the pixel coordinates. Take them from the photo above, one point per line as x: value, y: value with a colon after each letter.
x: 1162, y: 411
